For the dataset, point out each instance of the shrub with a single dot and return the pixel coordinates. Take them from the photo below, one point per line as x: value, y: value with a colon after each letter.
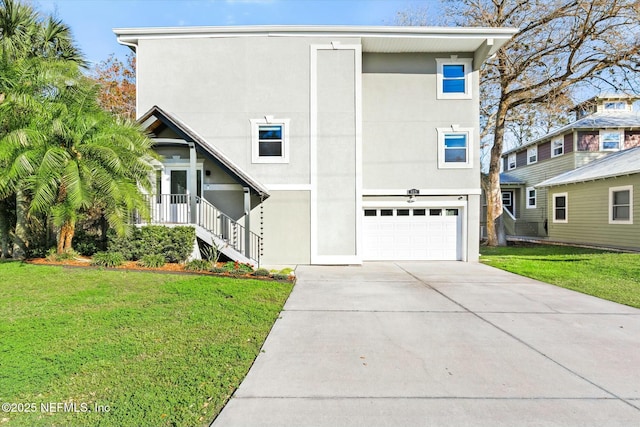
x: 174, y: 243
x: 234, y: 267
x: 53, y: 255
x: 107, y: 259
x: 198, y: 265
x: 280, y: 276
x: 218, y: 269
x: 152, y: 261
x: 261, y: 272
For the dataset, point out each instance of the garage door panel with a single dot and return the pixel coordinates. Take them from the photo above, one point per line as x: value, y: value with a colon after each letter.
x: 431, y: 236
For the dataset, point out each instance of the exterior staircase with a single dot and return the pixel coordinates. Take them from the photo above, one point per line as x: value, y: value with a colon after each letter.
x: 212, y: 226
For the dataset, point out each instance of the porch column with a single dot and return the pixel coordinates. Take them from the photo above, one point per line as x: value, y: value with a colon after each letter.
x: 247, y: 222
x: 192, y: 183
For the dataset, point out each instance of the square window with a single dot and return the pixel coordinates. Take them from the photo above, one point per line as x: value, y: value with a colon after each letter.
x: 621, y: 205
x: 270, y: 140
x: 610, y: 140
x: 560, y: 208
x: 454, y: 78
x: 454, y: 149
x: 557, y: 147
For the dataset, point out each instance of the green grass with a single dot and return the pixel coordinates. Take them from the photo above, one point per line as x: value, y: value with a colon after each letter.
x: 608, y: 275
x: 157, y: 349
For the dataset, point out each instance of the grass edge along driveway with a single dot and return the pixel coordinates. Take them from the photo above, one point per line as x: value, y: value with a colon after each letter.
x: 114, y: 348
x: 612, y: 276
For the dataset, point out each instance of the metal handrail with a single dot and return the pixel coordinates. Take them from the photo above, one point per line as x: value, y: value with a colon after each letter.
x: 176, y: 209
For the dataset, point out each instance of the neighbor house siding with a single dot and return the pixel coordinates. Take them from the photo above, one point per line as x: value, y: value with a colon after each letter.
x: 534, y: 174
x: 568, y: 143
x: 588, y: 214
x: 631, y: 138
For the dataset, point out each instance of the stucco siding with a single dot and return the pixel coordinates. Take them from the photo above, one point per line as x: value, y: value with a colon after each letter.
x: 284, y: 222
x: 588, y: 214
x: 230, y: 81
x: 401, y: 113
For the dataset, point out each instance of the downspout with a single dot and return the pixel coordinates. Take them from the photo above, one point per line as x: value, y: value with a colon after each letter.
x: 247, y: 222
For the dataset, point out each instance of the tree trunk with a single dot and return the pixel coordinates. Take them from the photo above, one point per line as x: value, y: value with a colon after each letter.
x: 495, y: 227
x: 4, y: 231
x: 66, y: 237
x: 20, y: 237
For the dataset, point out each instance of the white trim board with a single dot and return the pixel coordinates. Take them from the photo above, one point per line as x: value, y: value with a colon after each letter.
x: 288, y: 187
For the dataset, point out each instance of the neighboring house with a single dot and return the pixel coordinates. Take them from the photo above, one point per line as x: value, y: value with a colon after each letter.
x: 317, y: 145
x: 595, y: 204
x: 605, y: 124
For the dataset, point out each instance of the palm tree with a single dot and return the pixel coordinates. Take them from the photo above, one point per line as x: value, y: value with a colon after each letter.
x: 24, y: 38
x: 78, y: 155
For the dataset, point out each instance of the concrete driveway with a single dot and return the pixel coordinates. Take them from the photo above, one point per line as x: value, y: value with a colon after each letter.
x: 441, y: 344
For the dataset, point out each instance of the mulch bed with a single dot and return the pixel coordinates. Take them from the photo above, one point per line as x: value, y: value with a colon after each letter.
x: 174, y: 268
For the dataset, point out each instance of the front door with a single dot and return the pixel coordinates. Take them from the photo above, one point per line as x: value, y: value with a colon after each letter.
x: 508, y: 202
x: 176, y: 202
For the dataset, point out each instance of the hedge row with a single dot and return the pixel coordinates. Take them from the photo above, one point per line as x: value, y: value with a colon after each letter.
x: 174, y: 243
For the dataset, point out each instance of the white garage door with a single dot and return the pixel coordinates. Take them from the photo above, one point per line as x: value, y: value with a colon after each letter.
x: 412, y: 234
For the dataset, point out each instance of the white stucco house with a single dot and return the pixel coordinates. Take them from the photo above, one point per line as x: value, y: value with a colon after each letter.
x: 317, y: 145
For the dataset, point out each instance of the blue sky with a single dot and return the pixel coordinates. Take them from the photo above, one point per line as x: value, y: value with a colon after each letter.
x: 92, y: 21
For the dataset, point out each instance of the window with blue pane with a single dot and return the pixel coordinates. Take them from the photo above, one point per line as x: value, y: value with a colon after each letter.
x: 453, y: 78
x: 455, y: 148
x: 270, y: 140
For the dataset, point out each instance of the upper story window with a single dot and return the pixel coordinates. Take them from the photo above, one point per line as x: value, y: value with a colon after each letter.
x: 621, y: 205
x: 270, y: 140
x: 615, y: 106
x: 511, y: 161
x: 454, y: 148
x: 532, y: 155
x: 454, y: 78
x: 610, y: 140
x: 557, y: 147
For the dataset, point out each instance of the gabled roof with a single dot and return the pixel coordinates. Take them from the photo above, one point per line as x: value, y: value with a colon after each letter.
x: 591, y: 122
x: 505, y: 178
x: 626, y: 162
x: 386, y: 39
x: 155, y: 114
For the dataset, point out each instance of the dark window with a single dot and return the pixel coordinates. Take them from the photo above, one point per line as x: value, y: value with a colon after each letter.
x: 370, y: 212
x: 419, y: 212
x: 270, y: 140
x: 435, y: 212
x: 560, y: 208
x: 621, y: 206
x: 402, y: 212
x: 452, y: 212
x: 386, y: 212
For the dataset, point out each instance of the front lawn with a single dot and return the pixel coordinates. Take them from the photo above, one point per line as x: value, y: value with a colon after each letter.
x: 116, y: 348
x: 608, y: 275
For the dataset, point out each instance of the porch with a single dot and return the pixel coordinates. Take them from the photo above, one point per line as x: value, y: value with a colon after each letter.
x: 213, y: 226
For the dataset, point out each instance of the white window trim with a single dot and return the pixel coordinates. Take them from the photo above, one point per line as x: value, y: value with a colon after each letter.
x: 566, y: 208
x: 620, y: 139
x: 616, y: 189
x: 452, y: 131
x: 467, y: 62
x: 530, y: 153
x: 513, y: 157
x: 255, y: 150
x: 535, y: 198
x: 554, y: 141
